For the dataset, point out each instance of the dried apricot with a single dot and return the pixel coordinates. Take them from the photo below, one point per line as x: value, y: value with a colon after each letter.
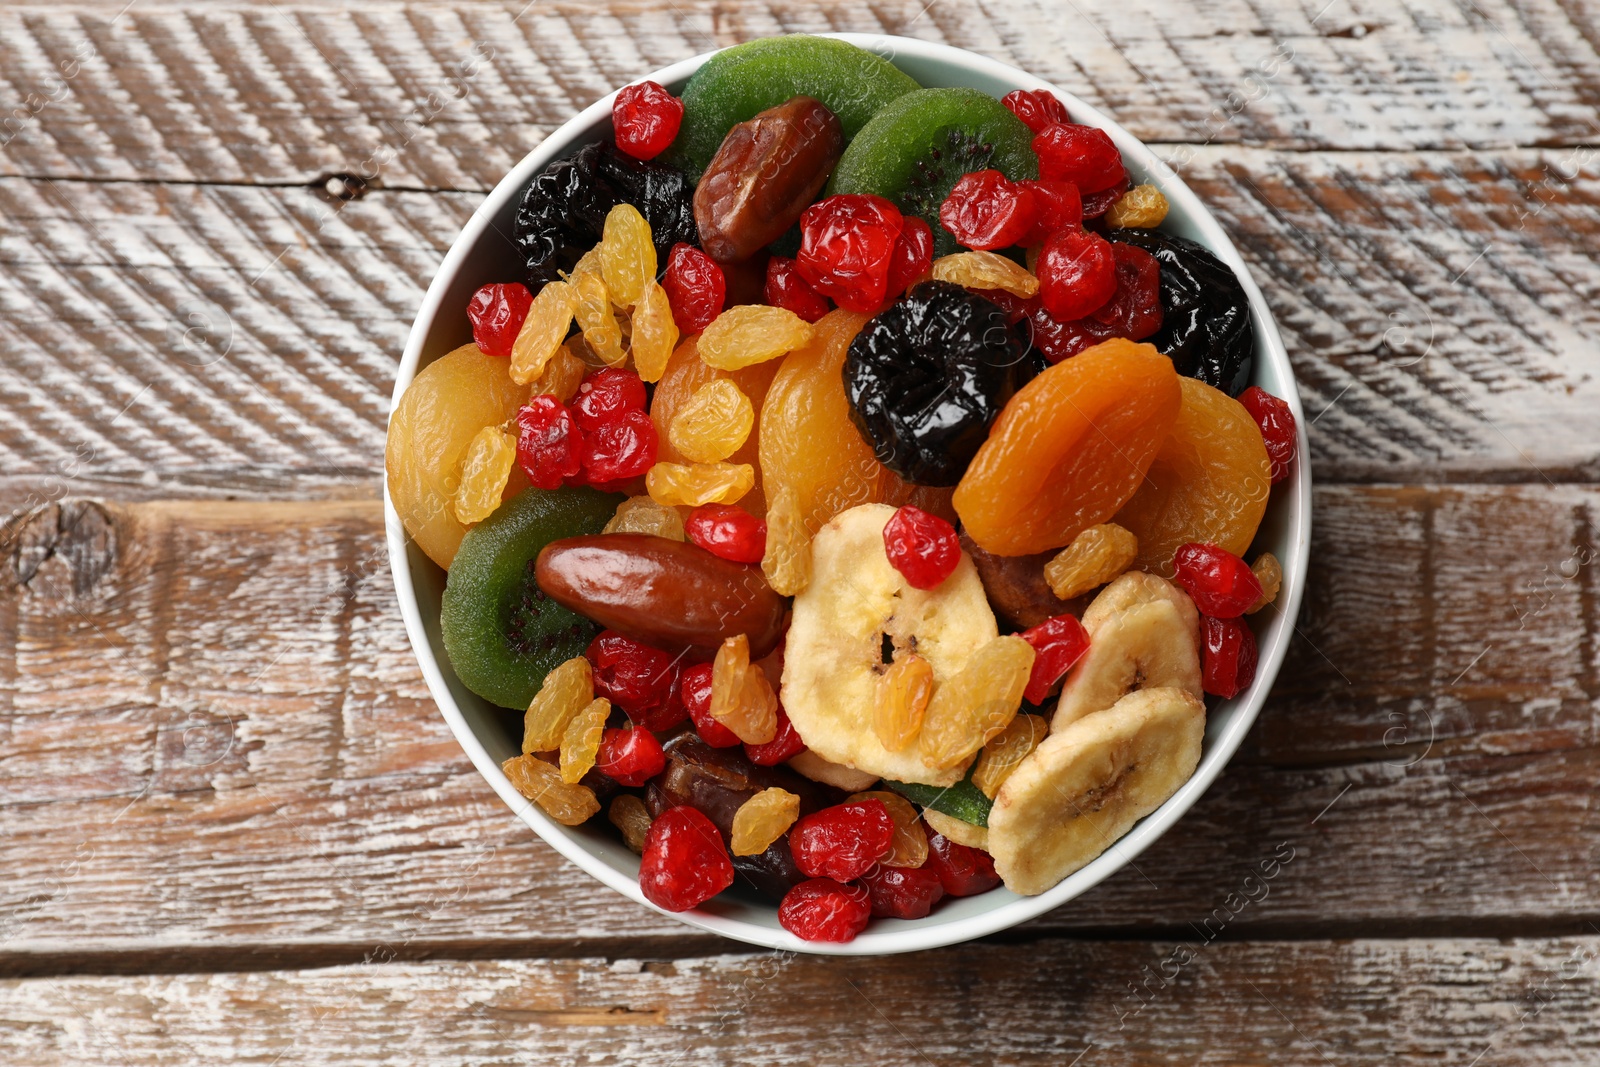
x: 741, y: 696
x: 713, y: 423
x: 1069, y: 449
x: 904, y: 689
x: 627, y: 255
x: 484, y: 472
x: 787, y: 559
x: 752, y: 333
x: 763, y: 819
x: 542, y: 331
x: 1208, y: 484
x: 629, y: 815
x: 1095, y: 556
x: 1005, y: 750
x: 640, y: 514
x: 655, y: 334
x: 910, y: 843
x: 540, y: 782
x: 977, y: 703
x: 1269, y: 572
x: 985, y: 270
x: 580, y: 741
x: 693, y: 484
x: 685, y: 375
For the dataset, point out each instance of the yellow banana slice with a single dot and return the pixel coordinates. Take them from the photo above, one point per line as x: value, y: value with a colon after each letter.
x: 1144, y: 633
x: 958, y: 830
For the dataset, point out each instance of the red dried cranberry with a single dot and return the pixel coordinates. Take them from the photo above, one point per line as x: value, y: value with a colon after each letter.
x: 630, y: 755
x: 685, y: 862
x: 1134, y: 310
x: 606, y: 396
x: 496, y: 313
x: 922, y: 547
x: 963, y: 871
x: 843, y: 841
x: 1057, y: 207
x: 697, y: 701
x: 987, y: 210
x: 696, y: 288
x: 1220, y: 583
x: 823, y: 910
x: 1276, y: 420
x: 902, y: 892
x: 641, y: 680
x: 1057, y: 643
x: 620, y: 449
x: 913, y: 256
x: 784, y: 746
x: 549, y: 446
x: 1081, y: 155
x: 729, y: 531
x: 1037, y: 108
x: 786, y: 289
x: 1077, y: 274
x: 1097, y: 204
x: 1227, y: 656
x: 645, y: 118
x: 846, y: 246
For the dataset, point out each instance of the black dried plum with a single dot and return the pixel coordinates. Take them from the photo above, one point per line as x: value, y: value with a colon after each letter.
x: 1206, y: 327
x: 563, y: 212
x: 926, y: 377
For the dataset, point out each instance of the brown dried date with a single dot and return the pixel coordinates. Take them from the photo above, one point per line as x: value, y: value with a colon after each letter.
x: 1017, y: 587
x: 764, y: 176
x: 669, y: 594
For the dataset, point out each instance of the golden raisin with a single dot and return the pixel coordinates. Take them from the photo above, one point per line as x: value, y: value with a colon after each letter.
x: 540, y: 782
x: 562, y: 375
x: 581, y: 739
x: 977, y: 702
x: 1007, y: 749
x: 741, y: 697
x: 763, y: 819
x: 985, y: 270
x: 1142, y: 207
x: 655, y: 332
x: 484, y: 471
x: 693, y: 484
x: 1095, y: 556
x: 903, y: 694
x: 542, y: 332
x: 641, y: 515
x: 591, y: 306
x: 628, y: 814
x: 910, y: 845
x: 1269, y: 572
x: 565, y: 692
x: 714, y: 423
x: 787, y: 562
x: 752, y: 333
x: 627, y: 256
x: 588, y: 263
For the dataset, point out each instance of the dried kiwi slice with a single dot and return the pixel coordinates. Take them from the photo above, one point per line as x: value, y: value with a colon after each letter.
x: 916, y: 148
x: 963, y: 800
x: 738, y: 83
x: 501, y: 634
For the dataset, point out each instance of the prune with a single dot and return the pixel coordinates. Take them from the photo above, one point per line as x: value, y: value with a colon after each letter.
x: 563, y: 213
x: 1206, y: 327
x: 927, y: 377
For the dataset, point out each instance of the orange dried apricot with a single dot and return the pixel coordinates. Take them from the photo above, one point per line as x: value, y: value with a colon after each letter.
x: 1069, y: 449
x: 685, y: 374
x: 1209, y: 482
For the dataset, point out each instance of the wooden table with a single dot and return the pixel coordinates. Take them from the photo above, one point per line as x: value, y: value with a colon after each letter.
x: 236, y: 829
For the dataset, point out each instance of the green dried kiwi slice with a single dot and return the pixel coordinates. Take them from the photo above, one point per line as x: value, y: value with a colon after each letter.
x: 963, y: 800
x: 502, y: 635
x: 916, y: 149
x: 739, y: 83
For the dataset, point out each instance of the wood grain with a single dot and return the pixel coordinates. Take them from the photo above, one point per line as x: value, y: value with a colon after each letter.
x: 216, y: 742
x: 1053, y: 1002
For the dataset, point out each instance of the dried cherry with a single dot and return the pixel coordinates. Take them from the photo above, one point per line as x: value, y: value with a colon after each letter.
x: 1037, y: 108
x: 824, y: 910
x: 903, y: 892
x: 785, y: 288
x: 922, y: 547
x: 843, y: 841
x: 1058, y: 643
x: 784, y: 746
x: 964, y: 871
x: 685, y: 862
x: 641, y: 680
x: 549, y: 444
x: 1276, y: 420
x: 1058, y: 206
x: 847, y: 244
x: 1077, y: 274
x: 1227, y: 656
x: 696, y: 684
x: 913, y: 256
x: 986, y: 210
x: 630, y: 756
x: 645, y: 118
x: 1082, y: 155
x: 496, y: 313
x: 1221, y: 584
x: 729, y: 531
x: 696, y: 288
x: 1134, y: 310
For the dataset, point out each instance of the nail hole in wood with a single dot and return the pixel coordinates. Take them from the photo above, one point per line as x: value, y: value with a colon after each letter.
x: 341, y: 187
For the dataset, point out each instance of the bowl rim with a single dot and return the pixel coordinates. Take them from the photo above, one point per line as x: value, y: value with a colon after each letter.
x: 887, y: 936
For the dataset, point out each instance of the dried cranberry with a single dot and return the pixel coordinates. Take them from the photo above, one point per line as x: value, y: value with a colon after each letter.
x: 1227, y: 656
x: 1276, y: 420
x: 606, y: 396
x: 1077, y: 274
x: 1057, y: 643
x: 496, y: 313
x: 1057, y: 206
x: 902, y: 892
x: 1082, y: 155
x: 728, y: 531
x: 696, y: 690
x: 1037, y: 108
x: 913, y: 256
x: 843, y: 841
x: 846, y: 246
x: 645, y: 118
x: 620, y: 449
x: 1134, y: 310
x: 784, y: 746
x: 630, y: 755
x: 1221, y: 584
x: 685, y: 862
x: 786, y: 289
x: 641, y: 680
x: 1097, y: 204
x: 549, y: 446
x: 987, y: 210
x: 823, y: 910
x: 696, y: 288
x: 922, y: 547
x: 963, y: 871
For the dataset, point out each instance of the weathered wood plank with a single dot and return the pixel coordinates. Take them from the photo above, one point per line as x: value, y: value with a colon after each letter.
x: 213, y: 736
x: 1287, y: 1004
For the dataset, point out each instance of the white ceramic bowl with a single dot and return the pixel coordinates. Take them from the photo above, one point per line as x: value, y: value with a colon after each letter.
x: 483, y: 253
